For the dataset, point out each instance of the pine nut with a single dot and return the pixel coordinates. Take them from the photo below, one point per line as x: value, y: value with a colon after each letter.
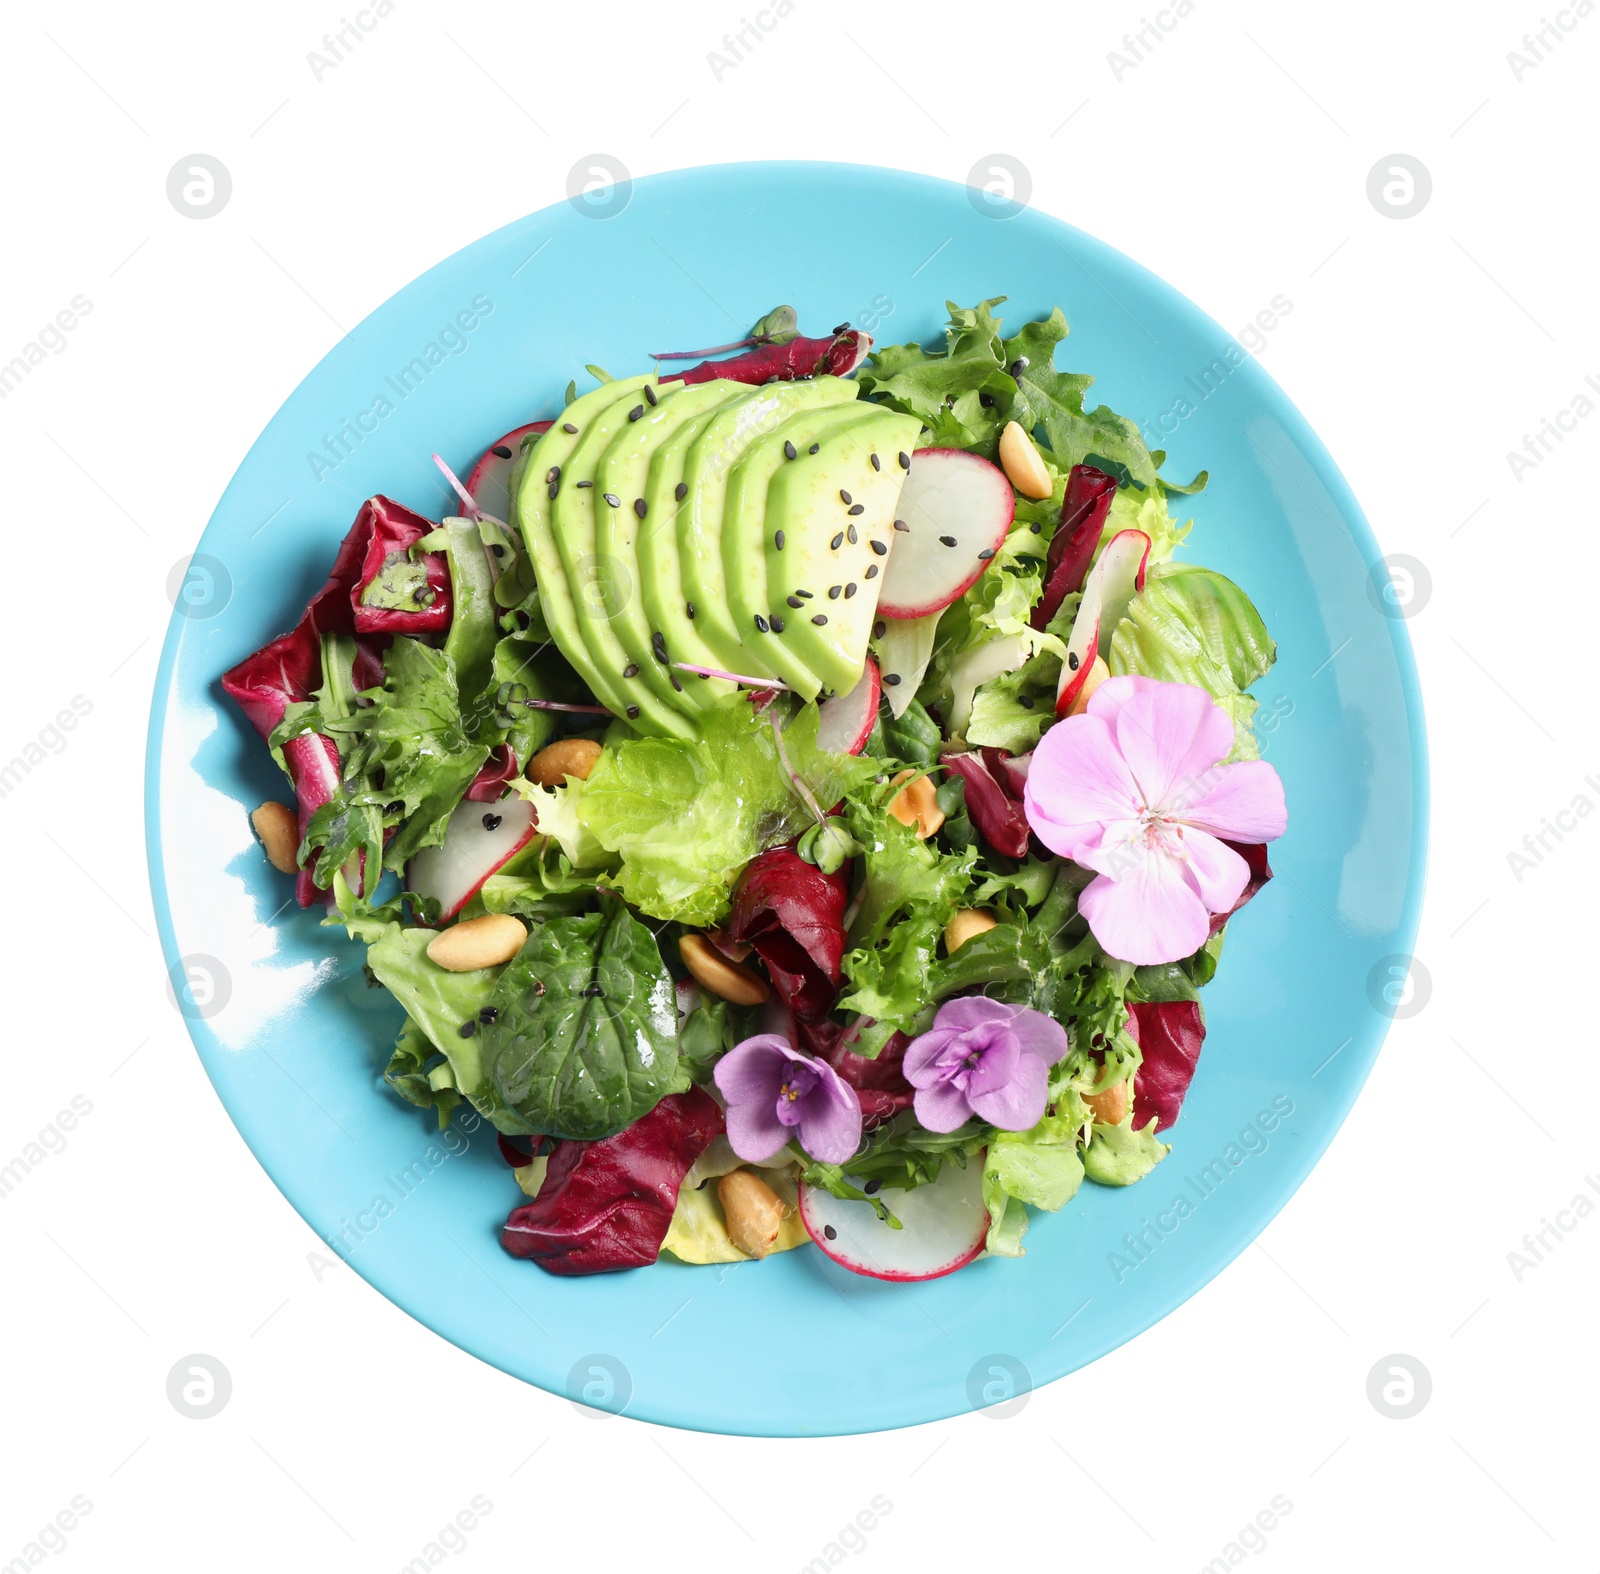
x: 477, y: 942
x: 1110, y: 1107
x: 964, y: 925
x: 727, y: 980
x: 279, y: 829
x: 554, y: 763
x: 1021, y: 462
x: 917, y: 804
x: 752, y: 1210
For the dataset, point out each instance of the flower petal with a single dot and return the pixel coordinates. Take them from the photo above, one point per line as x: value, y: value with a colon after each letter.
x: 996, y: 1066
x: 1040, y: 1035
x: 1018, y: 1104
x: 751, y: 1072
x: 754, y: 1131
x: 922, y: 1063
x: 1170, y: 734
x: 1241, y: 802
x: 1152, y: 914
x: 1077, y: 781
x: 1216, y: 871
x: 941, y: 1107
x: 830, y: 1120
x: 974, y: 1011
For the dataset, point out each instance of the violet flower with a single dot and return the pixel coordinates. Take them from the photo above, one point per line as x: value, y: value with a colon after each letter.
x: 985, y: 1058
x: 1133, y: 790
x: 776, y: 1094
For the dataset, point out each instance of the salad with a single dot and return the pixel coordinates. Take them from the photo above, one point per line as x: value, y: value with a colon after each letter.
x: 796, y: 798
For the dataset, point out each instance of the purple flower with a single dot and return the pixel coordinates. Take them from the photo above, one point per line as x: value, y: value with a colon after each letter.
x: 775, y: 1094
x: 982, y: 1057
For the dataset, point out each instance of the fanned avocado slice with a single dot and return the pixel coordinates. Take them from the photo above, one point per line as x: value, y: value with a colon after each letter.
x: 602, y: 586
x: 825, y: 579
x: 727, y: 436
x: 622, y: 536
x: 748, y: 528
x: 531, y: 511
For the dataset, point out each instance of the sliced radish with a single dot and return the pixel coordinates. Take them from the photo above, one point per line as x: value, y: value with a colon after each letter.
x: 479, y: 839
x: 490, y: 481
x: 845, y: 720
x: 1113, y: 582
x: 971, y: 670
x: 942, y: 1226
x: 956, y: 508
x: 904, y: 652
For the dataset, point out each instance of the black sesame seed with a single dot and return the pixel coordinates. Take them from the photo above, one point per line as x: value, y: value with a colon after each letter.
x: 612, y: 499
x: 850, y: 534
x: 762, y: 626
x: 553, y: 488
x: 1072, y: 660
x: 901, y: 525
x: 849, y: 590
x: 830, y: 1232
x: 879, y: 629
x: 491, y: 822
x: 859, y: 508
x: 872, y: 571
x: 838, y: 541
x: 636, y: 412
x: 796, y: 602
x: 986, y: 554
x: 891, y: 678
x: 879, y: 548
x: 467, y: 1029
x: 650, y: 396
x: 1035, y: 528
x: 1025, y: 701
x: 820, y: 619
x: 631, y: 670
x: 688, y: 607
x: 488, y: 1014
x: 677, y: 687
x: 949, y: 541
x: 500, y: 451
x: 569, y: 428
x: 640, y: 507
x: 844, y: 496
x: 583, y: 483
x: 498, y: 550
x: 986, y: 401
x: 806, y: 593
x: 871, y: 1188
x: 905, y: 461
x: 789, y: 450
x: 681, y: 491
x: 813, y: 448
x: 553, y: 473
x: 1019, y: 365
x: 841, y: 327
x: 658, y: 643
x: 833, y: 592
x: 777, y: 624
x: 632, y: 713
x: 873, y: 460
x: 777, y: 540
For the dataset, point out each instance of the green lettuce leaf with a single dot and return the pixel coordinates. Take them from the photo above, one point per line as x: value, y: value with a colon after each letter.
x: 1121, y: 1156
x: 414, y: 1073
x: 686, y: 817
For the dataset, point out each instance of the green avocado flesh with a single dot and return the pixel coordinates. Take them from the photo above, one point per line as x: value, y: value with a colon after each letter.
x: 670, y: 552
x: 824, y: 577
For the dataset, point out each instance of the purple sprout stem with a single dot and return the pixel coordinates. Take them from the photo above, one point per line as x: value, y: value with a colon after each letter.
x: 800, y: 787
x: 471, y: 509
x: 716, y: 349
x: 733, y: 677
x: 583, y: 710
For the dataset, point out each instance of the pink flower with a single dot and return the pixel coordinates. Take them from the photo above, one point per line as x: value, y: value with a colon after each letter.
x: 985, y: 1058
x: 1132, y: 789
x: 775, y: 1094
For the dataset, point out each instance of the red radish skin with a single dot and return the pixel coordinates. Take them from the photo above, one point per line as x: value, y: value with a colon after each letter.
x: 944, y: 1221
x: 845, y: 720
x: 1083, y: 518
x: 490, y: 481
x: 835, y: 356
x: 452, y: 873
x: 950, y: 496
x: 1112, y: 584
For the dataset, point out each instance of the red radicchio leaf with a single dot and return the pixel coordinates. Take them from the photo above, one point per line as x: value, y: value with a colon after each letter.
x: 792, y: 914
x: 606, y: 1205
x: 1254, y: 854
x: 993, y: 810
x: 836, y: 356
x: 1169, y: 1033
x: 1083, y: 517
x: 880, y: 1083
x: 389, y: 530
x: 489, y: 785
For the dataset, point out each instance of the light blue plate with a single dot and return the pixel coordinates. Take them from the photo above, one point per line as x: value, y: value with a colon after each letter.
x: 293, y: 1038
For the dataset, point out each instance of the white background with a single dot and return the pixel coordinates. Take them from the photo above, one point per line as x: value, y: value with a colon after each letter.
x: 1233, y: 160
